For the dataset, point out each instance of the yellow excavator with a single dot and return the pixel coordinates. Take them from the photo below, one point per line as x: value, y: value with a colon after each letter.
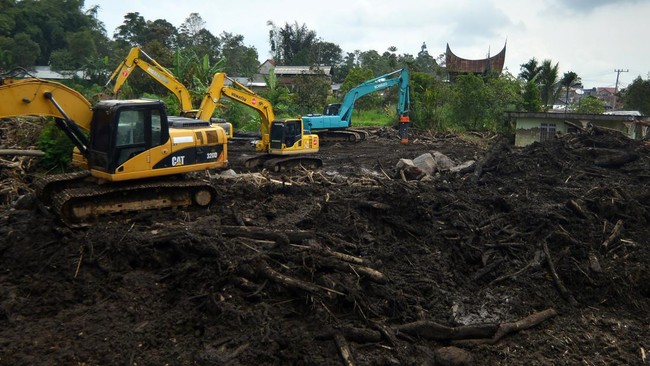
x: 133, y: 156
x: 284, y: 143
x: 138, y: 59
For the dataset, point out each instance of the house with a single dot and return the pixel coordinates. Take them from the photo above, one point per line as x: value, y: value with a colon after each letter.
x: 286, y: 75
x: 46, y: 72
x: 539, y: 126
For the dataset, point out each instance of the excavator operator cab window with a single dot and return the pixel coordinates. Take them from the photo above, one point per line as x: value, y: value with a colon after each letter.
x: 291, y: 133
x: 134, y: 128
x: 332, y: 109
x: 130, y: 128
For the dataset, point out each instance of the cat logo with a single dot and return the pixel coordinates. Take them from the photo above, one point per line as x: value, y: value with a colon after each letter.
x: 178, y: 160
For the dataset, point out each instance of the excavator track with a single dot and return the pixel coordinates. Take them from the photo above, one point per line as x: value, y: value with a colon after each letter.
x: 79, y: 206
x: 46, y: 186
x: 279, y: 163
x: 348, y: 135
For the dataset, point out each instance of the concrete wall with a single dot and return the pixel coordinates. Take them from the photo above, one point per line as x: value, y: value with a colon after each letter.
x: 528, y: 130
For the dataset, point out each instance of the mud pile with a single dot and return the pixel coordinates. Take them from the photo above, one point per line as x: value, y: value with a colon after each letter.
x: 536, y: 256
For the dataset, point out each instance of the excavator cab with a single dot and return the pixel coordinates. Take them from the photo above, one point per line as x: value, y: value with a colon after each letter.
x: 332, y: 109
x: 285, y: 134
x: 121, y: 130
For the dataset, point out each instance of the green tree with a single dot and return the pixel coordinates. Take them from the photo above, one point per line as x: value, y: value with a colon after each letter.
x: 569, y: 80
x: 589, y: 105
x: 531, y: 98
x: 374, y: 61
x: 637, y: 96
x: 279, y: 96
x: 131, y: 31
x: 424, y: 62
x: 356, y: 76
x: 503, y: 95
x: 328, y: 54
x: 469, y: 102
x: 310, y: 93
x: 549, y: 83
x: 23, y: 51
x: 239, y: 59
x: 292, y: 44
x: 427, y: 100
x: 530, y: 70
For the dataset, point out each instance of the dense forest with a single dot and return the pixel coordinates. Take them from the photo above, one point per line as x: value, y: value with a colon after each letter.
x: 67, y: 36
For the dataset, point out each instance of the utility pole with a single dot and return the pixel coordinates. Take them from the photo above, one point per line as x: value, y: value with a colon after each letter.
x: 618, y: 73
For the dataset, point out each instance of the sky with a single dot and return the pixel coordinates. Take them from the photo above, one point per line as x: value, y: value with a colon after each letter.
x: 592, y: 38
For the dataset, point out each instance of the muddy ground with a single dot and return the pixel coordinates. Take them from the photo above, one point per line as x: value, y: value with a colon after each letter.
x: 532, y: 256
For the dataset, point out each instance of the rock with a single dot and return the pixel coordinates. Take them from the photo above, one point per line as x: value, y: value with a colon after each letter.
x: 25, y: 202
x: 464, y: 167
x: 426, y: 163
x: 442, y: 161
x: 453, y: 356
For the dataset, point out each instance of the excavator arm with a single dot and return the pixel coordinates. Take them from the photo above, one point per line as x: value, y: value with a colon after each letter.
x: 137, y: 58
x: 238, y: 93
x: 37, y: 97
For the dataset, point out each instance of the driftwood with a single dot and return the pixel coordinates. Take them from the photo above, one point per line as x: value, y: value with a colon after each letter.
x: 256, y: 232
x: 435, y: 331
x: 487, y: 159
x: 16, y: 152
x: 344, y: 349
x: 507, y: 328
x: 558, y: 282
x: 358, y: 335
x: 577, y: 208
x: 368, y: 272
x: 616, y: 233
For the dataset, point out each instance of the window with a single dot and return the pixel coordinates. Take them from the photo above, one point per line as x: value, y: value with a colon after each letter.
x: 130, y: 128
x: 547, y: 131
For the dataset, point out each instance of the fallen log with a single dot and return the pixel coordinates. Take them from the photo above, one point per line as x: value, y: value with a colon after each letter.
x: 17, y: 152
x: 558, y: 282
x: 616, y: 233
x: 431, y: 330
x: 256, y: 232
x: 344, y: 349
x: 487, y: 159
x: 290, y: 282
x: 505, y: 329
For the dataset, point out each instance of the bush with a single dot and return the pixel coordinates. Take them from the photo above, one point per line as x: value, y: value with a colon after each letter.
x: 56, y: 146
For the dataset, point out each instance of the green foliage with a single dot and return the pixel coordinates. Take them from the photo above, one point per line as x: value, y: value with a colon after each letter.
x: 637, y: 96
x: 549, y: 83
x: 427, y: 97
x: 292, y: 44
x: 589, y: 105
x: 311, y: 93
x: 375, y: 117
x: 532, y: 100
x: 469, y: 101
x: 56, y: 146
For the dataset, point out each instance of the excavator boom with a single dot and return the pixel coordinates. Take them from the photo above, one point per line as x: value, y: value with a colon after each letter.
x: 137, y: 58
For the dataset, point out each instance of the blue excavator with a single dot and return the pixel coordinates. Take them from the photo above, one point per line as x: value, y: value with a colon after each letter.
x: 335, y: 124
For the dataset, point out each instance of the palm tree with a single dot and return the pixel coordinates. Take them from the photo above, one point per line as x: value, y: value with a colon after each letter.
x: 568, y: 80
x: 548, y: 80
x: 530, y: 70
